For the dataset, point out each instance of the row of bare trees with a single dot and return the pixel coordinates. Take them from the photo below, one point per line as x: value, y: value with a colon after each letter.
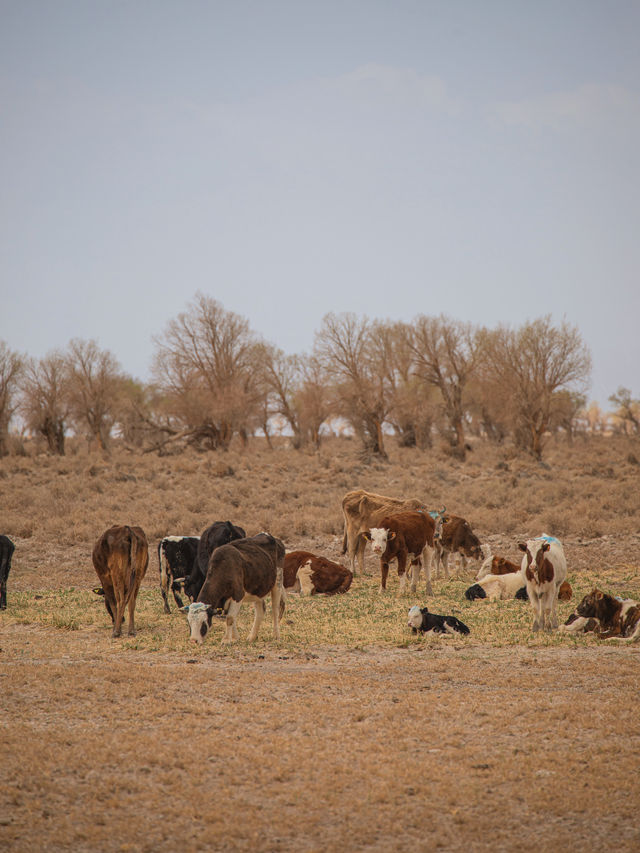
x: 214, y: 378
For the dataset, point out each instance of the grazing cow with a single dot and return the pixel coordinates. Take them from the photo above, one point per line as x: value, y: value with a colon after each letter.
x: 545, y: 569
x: 615, y: 618
x: 243, y: 570
x: 423, y: 622
x: 403, y: 536
x: 176, y: 558
x: 6, y: 553
x: 498, y: 587
x: 310, y: 574
x: 363, y: 510
x: 120, y: 558
x: 218, y: 533
x: 456, y: 537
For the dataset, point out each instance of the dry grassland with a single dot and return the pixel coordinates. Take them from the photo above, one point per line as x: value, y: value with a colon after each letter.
x: 348, y: 734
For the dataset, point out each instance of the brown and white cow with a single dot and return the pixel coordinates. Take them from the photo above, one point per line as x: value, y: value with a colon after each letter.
x: 310, y: 574
x: 544, y: 566
x: 456, y: 537
x: 404, y: 537
x: 610, y: 617
x: 120, y: 558
x: 363, y: 510
x: 243, y: 570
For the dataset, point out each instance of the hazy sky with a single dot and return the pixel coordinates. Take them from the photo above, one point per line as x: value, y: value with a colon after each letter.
x: 290, y: 158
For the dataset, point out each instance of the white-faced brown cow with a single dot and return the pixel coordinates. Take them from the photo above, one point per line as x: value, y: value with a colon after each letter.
x: 545, y: 568
x: 404, y: 537
x: 310, y: 574
x: 243, y: 570
x: 609, y: 617
x: 363, y: 510
x: 120, y: 558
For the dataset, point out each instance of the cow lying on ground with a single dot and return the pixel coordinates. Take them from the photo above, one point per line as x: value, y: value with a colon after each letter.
x: 218, y: 533
x: 423, y: 622
x: 403, y: 537
x: 456, y: 537
x: 176, y: 559
x: 498, y: 587
x: 363, y: 510
x: 609, y: 617
x: 120, y: 558
x: 243, y: 570
x: 545, y: 569
x: 310, y: 574
x: 6, y: 553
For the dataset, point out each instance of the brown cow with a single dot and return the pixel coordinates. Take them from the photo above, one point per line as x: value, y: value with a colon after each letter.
x: 310, y: 574
x: 363, y: 510
x: 403, y: 536
x: 120, y: 558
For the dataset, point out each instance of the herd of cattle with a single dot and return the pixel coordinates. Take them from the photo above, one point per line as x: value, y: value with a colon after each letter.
x: 224, y: 567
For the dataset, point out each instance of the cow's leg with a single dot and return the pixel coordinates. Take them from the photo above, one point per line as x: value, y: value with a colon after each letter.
x: 259, y: 607
x: 231, y: 630
x: 384, y: 571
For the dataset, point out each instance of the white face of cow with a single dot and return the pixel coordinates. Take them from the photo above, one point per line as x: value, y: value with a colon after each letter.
x: 415, y: 617
x: 379, y: 536
x: 199, y: 619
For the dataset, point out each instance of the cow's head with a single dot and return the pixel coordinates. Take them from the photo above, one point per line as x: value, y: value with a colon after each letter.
x: 199, y: 617
x: 415, y: 618
x: 379, y: 536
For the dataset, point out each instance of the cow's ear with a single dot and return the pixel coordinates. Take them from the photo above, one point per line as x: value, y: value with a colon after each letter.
x: 391, y: 535
x: 522, y: 546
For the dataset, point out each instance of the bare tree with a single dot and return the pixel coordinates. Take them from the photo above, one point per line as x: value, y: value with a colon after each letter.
x: 11, y: 365
x: 94, y: 389
x: 208, y: 364
x: 445, y: 353
x: 45, y: 403
x: 534, y: 362
x: 627, y: 410
x: 344, y: 348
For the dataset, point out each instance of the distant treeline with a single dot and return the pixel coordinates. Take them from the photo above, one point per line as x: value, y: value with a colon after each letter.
x: 214, y: 379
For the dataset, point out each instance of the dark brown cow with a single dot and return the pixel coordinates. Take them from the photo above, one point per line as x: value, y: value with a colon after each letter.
x: 363, y: 510
x: 120, y: 558
x: 402, y: 537
x: 310, y: 574
x: 456, y: 537
x: 616, y: 618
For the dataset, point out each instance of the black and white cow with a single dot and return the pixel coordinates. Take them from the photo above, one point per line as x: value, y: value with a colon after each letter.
x: 423, y: 622
x: 243, y: 570
x: 218, y: 533
x: 176, y: 559
x: 6, y: 553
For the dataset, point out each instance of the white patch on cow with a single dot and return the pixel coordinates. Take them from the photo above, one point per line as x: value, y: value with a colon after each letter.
x: 378, y: 537
x: 415, y: 617
x: 304, y: 576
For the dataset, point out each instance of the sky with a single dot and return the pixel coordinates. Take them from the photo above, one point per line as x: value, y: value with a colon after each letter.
x: 388, y: 158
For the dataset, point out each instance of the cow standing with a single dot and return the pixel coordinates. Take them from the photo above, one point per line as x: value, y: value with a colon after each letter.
x: 218, y: 533
x: 403, y: 537
x: 6, y: 553
x: 176, y: 559
x: 544, y: 566
x: 243, y: 570
x: 363, y: 510
x: 310, y: 574
x: 120, y: 558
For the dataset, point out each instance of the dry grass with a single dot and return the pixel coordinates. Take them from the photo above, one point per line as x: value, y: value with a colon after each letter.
x: 348, y: 734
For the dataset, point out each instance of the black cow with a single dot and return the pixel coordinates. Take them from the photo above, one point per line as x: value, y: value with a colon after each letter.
x: 6, y: 553
x: 176, y: 559
x: 217, y: 534
x: 420, y: 620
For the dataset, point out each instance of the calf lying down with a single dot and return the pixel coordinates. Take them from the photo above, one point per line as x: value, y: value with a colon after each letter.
x: 609, y: 617
x: 423, y: 622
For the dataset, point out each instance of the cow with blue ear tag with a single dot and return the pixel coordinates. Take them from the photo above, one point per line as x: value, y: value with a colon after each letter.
x: 199, y: 616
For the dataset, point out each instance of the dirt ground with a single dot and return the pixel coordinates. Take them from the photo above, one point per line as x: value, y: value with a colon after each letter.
x: 444, y: 745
